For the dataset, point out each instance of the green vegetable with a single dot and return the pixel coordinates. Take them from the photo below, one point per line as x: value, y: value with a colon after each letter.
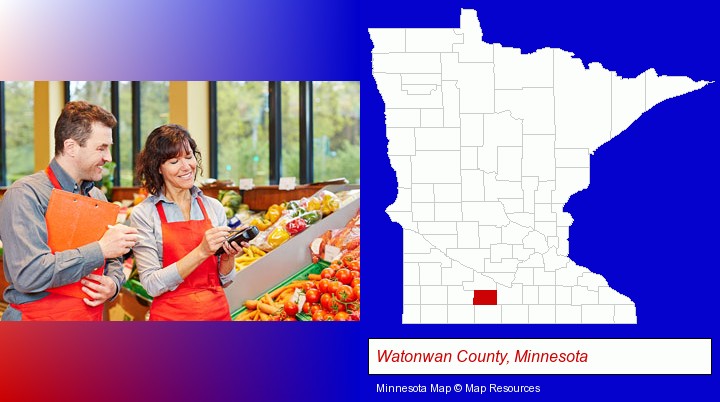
x: 311, y: 217
x: 231, y: 200
x: 297, y: 212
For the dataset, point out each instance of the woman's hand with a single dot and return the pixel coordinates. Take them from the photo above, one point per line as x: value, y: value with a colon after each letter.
x: 214, y: 239
x: 232, y: 249
x: 240, y: 229
x: 227, y: 260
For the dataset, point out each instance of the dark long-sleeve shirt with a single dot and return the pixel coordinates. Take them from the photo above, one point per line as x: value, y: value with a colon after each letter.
x: 29, y: 265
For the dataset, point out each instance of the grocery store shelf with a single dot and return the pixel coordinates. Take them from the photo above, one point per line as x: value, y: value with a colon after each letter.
x: 285, y: 261
x: 315, y: 268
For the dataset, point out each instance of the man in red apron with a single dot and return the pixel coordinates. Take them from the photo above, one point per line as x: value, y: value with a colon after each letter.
x: 70, y: 284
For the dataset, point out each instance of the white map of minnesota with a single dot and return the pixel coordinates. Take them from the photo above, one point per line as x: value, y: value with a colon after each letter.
x: 488, y: 145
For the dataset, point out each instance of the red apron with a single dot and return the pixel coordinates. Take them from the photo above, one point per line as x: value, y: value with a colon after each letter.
x: 200, y: 297
x: 57, y: 306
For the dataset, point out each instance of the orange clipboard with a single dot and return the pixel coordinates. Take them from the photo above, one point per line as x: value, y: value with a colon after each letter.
x: 74, y: 220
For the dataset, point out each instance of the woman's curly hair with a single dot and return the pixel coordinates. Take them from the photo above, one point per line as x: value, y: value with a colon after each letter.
x: 163, y: 143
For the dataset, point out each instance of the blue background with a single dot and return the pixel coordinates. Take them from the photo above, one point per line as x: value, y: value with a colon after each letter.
x: 648, y: 222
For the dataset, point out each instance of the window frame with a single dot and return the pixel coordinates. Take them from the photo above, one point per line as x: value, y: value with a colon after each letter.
x: 115, y: 110
x: 3, y: 154
x: 3, y: 136
x: 306, y: 134
x: 274, y: 131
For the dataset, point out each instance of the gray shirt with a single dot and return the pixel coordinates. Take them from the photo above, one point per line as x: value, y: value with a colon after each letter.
x: 148, y: 252
x: 29, y: 265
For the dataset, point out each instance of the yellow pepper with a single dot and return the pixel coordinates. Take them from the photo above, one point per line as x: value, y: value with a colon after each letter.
x: 261, y: 224
x: 278, y: 236
x: 314, y: 204
x: 273, y: 213
x: 330, y: 204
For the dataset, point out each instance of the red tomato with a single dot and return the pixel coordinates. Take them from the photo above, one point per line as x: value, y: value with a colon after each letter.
x: 306, y: 308
x: 353, y: 306
x: 333, y: 287
x: 336, y: 306
x: 315, y: 307
x: 344, y: 276
x: 345, y: 294
x: 318, y: 316
x: 327, y: 273
x: 291, y: 309
x: 323, y: 285
x: 355, y: 281
x: 308, y: 285
x: 312, y: 296
x: 355, y: 274
x: 325, y: 300
x: 341, y: 316
x: 356, y: 291
x: 290, y: 319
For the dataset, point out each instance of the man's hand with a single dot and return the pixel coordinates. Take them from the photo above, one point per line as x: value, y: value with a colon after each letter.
x: 99, y: 291
x: 118, y: 240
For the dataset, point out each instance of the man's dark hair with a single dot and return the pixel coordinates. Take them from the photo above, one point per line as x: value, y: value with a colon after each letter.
x: 76, y: 122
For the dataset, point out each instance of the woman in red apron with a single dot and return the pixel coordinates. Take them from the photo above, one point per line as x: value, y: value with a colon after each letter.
x: 180, y: 230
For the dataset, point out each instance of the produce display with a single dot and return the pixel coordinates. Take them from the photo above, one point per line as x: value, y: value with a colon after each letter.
x: 283, y: 221
x: 251, y: 254
x: 332, y: 294
x: 335, y: 245
x: 329, y: 290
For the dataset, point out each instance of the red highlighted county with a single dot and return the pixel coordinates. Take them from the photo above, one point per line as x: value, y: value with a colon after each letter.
x: 485, y: 297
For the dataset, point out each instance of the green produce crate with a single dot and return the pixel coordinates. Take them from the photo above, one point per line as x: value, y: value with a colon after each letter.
x: 134, y: 286
x: 315, y: 268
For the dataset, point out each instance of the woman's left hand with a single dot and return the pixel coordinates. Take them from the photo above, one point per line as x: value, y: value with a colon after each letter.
x: 242, y: 244
x: 232, y: 249
x: 227, y: 260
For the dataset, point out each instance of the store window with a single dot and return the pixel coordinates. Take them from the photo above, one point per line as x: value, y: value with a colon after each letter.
x: 95, y: 92
x: 336, y: 130
x: 290, y: 129
x: 245, y: 143
x: 242, y: 131
x: 18, y: 105
x: 154, y: 106
x: 151, y: 100
x: 125, y: 129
